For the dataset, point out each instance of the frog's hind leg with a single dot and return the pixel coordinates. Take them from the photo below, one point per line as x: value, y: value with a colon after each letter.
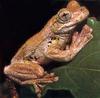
x: 30, y: 74
x: 38, y: 83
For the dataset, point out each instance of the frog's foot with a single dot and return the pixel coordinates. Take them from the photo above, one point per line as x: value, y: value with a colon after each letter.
x: 79, y: 40
x: 40, y: 83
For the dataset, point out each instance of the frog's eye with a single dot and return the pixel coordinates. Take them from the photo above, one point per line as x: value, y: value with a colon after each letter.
x: 64, y: 16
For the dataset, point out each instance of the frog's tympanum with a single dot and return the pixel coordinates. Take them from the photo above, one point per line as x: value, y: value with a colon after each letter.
x: 59, y: 40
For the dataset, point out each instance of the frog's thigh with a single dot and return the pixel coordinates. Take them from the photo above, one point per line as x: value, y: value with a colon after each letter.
x: 28, y: 73
x: 79, y: 40
x: 23, y: 71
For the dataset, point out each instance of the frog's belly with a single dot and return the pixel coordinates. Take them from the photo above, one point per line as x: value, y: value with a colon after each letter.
x: 39, y: 54
x: 40, y: 57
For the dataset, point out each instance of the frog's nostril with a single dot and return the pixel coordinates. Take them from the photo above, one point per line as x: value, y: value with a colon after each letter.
x: 82, y: 8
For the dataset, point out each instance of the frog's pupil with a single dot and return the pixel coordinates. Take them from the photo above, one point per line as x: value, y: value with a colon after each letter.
x: 65, y: 16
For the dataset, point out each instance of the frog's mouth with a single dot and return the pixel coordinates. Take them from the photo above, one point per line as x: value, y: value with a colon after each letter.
x: 65, y: 30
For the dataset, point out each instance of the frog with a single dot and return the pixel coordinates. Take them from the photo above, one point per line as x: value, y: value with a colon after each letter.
x: 58, y: 41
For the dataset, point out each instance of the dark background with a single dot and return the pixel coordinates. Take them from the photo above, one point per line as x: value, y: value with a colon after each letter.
x: 20, y: 19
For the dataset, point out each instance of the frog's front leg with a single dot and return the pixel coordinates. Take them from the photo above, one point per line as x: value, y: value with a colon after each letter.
x: 79, y: 40
x: 29, y: 73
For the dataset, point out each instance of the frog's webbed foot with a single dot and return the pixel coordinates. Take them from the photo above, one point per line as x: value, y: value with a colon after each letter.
x: 79, y: 40
x: 30, y: 74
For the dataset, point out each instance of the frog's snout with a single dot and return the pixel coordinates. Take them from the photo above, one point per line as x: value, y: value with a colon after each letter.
x: 84, y: 10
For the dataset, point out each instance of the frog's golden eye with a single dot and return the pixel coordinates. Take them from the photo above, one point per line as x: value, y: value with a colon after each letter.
x: 64, y: 16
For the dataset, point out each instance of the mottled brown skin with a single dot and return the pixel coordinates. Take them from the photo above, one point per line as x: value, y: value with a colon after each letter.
x: 51, y: 43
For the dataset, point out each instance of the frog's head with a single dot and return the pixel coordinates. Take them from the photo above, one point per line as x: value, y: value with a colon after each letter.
x: 68, y: 18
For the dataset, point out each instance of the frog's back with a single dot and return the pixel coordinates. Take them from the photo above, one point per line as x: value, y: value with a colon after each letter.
x: 32, y: 43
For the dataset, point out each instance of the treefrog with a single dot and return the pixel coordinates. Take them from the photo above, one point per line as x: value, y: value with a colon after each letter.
x: 58, y: 41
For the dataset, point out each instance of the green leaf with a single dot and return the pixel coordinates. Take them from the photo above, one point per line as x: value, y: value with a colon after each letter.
x: 82, y: 75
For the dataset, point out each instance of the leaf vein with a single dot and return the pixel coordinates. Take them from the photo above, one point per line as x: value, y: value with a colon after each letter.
x: 73, y: 82
x: 87, y: 57
x: 87, y: 69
